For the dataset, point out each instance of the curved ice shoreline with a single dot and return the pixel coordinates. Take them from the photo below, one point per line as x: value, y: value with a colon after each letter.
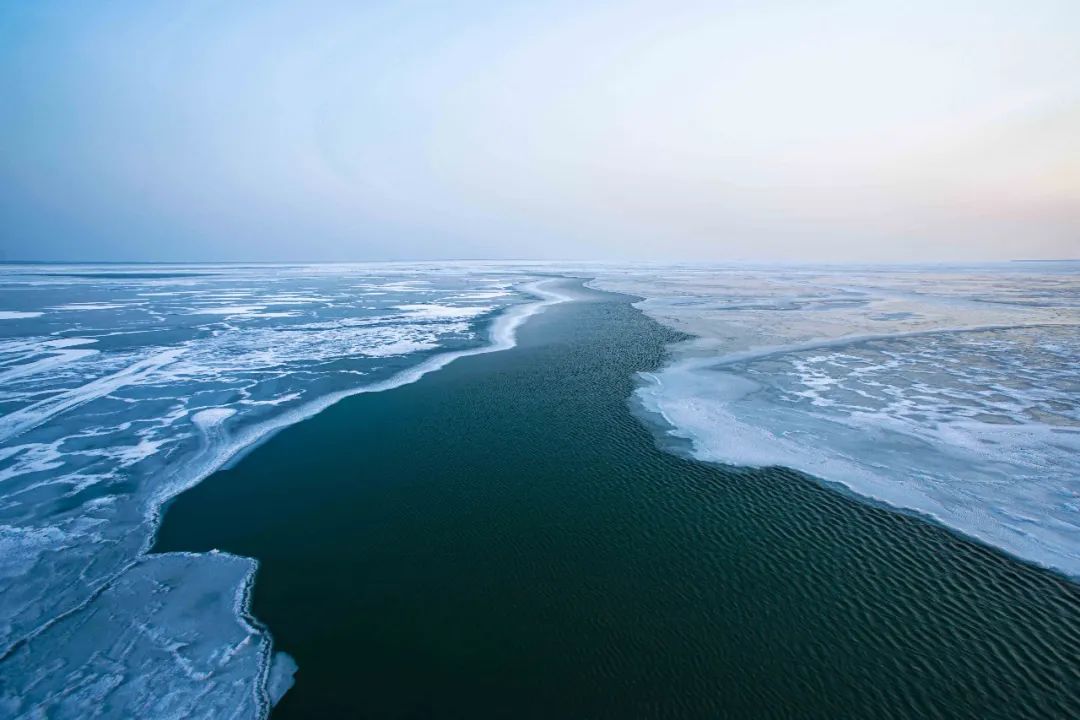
x: 502, y: 336
x: 146, y: 611
x: 712, y: 410
x: 955, y: 409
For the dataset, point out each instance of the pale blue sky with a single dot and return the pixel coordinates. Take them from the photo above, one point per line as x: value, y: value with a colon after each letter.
x: 205, y: 130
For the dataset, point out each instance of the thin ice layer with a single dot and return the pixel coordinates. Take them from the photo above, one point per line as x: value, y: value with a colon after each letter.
x: 168, y: 638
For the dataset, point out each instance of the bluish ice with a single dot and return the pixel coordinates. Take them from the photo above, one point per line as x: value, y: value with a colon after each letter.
x: 120, y: 386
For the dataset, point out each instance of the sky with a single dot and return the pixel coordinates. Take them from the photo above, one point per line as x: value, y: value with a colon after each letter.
x: 666, y: 131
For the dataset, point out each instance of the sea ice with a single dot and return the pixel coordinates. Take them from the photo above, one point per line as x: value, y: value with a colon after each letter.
x: 169, y: 637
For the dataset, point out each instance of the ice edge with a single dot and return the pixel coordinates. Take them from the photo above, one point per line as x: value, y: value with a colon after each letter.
x: 219, y: 450
x: 502, y: 335
x: 649, y: 384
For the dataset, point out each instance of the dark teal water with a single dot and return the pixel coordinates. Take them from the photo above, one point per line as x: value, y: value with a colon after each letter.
x: 503, y: 539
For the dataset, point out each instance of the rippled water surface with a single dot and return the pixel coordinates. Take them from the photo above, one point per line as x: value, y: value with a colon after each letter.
x: 505, y: 538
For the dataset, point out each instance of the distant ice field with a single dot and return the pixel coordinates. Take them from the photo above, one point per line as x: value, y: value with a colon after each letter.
x: 952, y: 392
x: 120, y: 386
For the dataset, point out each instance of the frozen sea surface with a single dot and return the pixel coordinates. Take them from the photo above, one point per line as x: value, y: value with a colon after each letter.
x: 953, y: 392
x: 122, y: 386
